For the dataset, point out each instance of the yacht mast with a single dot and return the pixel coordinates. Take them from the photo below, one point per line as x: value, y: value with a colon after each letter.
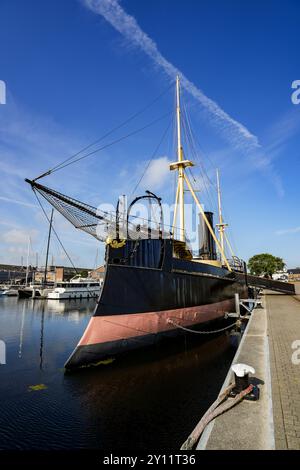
x: 27, y: 263
x: 48, y: 244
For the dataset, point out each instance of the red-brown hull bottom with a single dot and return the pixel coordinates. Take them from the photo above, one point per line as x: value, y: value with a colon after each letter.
x: 110, y: 335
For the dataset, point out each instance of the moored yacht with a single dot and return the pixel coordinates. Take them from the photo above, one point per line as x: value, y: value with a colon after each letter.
x: 77, y: 288
x: 10, y: 292
x: 35, y: 291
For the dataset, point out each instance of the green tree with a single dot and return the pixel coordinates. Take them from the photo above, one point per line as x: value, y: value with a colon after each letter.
x: 265, y: 264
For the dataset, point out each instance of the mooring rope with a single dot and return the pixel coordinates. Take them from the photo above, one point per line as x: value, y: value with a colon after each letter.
x: 201, y: 332
x: 214, y: 411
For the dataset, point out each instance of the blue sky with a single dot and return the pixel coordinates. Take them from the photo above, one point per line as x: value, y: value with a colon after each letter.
x: 76, y: 68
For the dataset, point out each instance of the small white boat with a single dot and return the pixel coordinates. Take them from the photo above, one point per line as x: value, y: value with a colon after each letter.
x: 39, y: 292
x: 9, y: 292
x: 34, y: 291
x: 76, y: 288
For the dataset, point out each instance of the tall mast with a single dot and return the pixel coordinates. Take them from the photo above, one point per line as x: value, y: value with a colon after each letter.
x: 180, y: 168
x: 180, y: 165
x: 48, y: 244
x: 220, y: 211
x: 221, y: 226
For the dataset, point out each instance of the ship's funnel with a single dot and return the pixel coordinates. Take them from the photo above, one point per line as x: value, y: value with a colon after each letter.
x: 207, y: 246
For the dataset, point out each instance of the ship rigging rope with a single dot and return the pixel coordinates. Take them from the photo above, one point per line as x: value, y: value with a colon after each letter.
x: 189, y: 330
x: 110, y: 144
x: 105, y: 217
x: 206, y: 180
x: 151, y: 158
x: 191, y: 142
x: 68, y: 161
x: 58, y: 239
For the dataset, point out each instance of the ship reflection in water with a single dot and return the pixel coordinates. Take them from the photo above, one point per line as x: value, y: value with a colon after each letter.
x: 147, y: 400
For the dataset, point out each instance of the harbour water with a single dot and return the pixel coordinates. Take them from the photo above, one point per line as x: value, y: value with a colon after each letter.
x: 149, y: 399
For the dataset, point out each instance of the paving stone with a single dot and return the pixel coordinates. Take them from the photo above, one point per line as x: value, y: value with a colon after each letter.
x: 284, y: 327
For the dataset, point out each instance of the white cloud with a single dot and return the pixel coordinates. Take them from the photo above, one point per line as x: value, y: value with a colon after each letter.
x: 281, y: 131
x: 288, y: 231
x: 14, y: 201
x: 17, y: 250
x: 276, y: 139
x: 29, y: 144
x: 157, y: 174
x: 18, y: 236
x: 7, y: 223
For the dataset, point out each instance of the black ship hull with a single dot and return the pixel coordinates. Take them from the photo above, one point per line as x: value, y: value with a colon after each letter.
x: 25, y: 293
x: 149, y: 294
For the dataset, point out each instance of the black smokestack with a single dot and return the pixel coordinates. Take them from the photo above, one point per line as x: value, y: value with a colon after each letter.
x: 207, y: 246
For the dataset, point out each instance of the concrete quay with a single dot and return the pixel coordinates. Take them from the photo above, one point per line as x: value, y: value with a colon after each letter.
x: 270, y: 344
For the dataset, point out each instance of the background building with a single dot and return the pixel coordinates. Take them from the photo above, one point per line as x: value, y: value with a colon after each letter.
x: 17, y: 274
x: 294, y: 274
x: 97, y: 274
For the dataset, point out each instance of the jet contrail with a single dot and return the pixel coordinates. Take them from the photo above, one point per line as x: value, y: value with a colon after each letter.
x: 233, y: 131
x: 237, y: 134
